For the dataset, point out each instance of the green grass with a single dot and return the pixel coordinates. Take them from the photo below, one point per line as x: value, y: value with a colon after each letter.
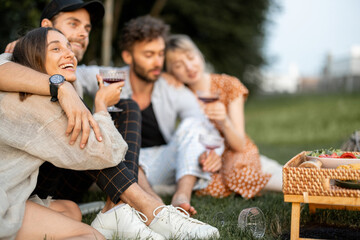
x: 283, y: 126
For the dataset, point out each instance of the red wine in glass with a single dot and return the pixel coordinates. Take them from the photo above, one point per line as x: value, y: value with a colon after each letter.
x: 112, y: 76
x: 113, y: 80
x: 209, y: 99
x: 207, y: 96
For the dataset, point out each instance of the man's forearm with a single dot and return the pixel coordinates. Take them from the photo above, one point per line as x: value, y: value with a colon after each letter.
x: 17, y: 78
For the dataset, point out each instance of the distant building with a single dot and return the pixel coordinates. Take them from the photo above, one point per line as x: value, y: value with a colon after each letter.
x: 308, y: 84
x: 282, y: 83
x: 341, y: 73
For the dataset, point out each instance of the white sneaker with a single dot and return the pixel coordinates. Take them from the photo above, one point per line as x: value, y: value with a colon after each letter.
x: 172, y: 223
x: 125, y: 223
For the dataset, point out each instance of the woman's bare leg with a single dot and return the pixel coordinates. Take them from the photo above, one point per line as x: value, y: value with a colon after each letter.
x: 40, y: 222
x: 67, y: 208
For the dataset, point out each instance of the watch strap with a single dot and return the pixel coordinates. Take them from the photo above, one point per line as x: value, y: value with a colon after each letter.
x: 54, y: 92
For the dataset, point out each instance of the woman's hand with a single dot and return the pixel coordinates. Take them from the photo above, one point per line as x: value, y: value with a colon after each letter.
x: 215, y: 111
x: 107, y: 95
x: 210, y: 161
x: 79, y: 117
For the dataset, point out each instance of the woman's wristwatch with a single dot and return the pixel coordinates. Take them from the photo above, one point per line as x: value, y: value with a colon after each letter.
x: 55, y: 81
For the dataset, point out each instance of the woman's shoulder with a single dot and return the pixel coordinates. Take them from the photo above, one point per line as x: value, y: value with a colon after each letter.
x: 228, y: 82
x: 224, y: 77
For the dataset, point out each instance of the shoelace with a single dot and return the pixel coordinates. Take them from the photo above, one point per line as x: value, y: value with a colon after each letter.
x: 141, y: 216
x: 182, y: 213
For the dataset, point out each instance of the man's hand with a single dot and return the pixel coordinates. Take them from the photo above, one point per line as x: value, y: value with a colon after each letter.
x: 10, y: 47
x: 210, y: 161
x: 79, y: 117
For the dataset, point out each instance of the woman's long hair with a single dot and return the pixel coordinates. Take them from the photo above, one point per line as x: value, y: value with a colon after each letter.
x: 30, y: 51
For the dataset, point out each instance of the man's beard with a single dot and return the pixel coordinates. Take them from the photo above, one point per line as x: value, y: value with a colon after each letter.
x: 141, y: 74
x: 79, y: 54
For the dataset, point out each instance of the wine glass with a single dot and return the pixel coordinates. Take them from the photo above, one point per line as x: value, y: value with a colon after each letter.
x: 211, y: 141
x: 112, y: 76
x: 208, y: 96
x: 219, y: 218
x: 253, y: 220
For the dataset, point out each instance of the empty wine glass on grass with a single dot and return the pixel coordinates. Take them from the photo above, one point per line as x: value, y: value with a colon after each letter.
x: 253, y: 220
x: 219, y: 219
x: 112, y: 76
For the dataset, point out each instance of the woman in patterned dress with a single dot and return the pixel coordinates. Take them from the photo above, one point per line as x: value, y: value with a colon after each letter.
x: 241, y: 167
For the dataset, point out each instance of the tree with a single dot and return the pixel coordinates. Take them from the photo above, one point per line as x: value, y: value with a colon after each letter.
x: 18, y: 17
x: 229, y: 33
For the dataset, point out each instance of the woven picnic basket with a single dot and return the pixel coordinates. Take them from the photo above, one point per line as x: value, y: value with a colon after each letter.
x: 316, y: 182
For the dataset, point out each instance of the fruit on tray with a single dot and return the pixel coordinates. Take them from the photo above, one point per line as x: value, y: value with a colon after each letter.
x: 332, y: 153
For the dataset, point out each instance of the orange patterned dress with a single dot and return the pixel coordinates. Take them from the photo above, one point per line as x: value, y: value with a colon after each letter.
x: 245, y: 176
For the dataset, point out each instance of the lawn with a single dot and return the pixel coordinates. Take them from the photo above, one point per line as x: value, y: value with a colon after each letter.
x: 285, y: 125
x: 282, y: 126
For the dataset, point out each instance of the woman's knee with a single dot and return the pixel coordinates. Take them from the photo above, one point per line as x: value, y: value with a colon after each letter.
x: 68, y: 208
x: 73, y: 210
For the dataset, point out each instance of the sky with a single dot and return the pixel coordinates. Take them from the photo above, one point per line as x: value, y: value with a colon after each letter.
x: 303, y: 32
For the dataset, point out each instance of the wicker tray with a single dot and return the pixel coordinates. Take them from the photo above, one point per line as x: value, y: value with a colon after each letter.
x: 316, y: 182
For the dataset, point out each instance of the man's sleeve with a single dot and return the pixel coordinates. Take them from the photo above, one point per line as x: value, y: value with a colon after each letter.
x: 5, y: 58
x: 86, y: 80
x: 189, y: 106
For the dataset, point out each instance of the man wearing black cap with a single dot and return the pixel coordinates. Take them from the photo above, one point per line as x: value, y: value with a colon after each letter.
x: 72, y: 18
x: 75, y: 18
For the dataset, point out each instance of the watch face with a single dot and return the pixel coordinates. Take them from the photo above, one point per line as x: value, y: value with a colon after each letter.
x: 55, y: 79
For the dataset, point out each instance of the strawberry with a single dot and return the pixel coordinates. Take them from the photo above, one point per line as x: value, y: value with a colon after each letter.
x: 347, y: 155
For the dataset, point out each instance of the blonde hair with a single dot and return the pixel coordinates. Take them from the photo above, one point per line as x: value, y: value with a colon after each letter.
x: 180, y: 42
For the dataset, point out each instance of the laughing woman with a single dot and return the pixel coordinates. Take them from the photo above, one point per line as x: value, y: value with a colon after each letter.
x: 31, y: 133
x: 241, y: 170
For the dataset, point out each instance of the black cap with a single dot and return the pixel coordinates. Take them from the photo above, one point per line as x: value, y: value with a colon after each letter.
x: 95, y: 9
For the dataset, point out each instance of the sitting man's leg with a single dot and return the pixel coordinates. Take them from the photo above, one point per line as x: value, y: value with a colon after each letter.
x: 177, y: 163
x: 150, y: 219
x: 182, y: 196
x: 119, y: 217
x: 62, y: 183
x: 72, y: 185
x: 189, y: 175
x: 135, y: 213
x: 114, y: 181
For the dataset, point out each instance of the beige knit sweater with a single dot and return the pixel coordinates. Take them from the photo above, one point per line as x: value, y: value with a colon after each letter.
x: 33, y: 131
